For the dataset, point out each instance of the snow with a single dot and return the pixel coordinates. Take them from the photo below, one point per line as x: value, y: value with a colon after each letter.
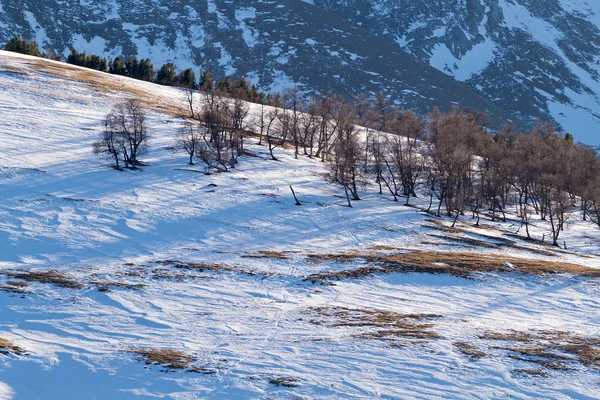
x: 249, y: 34
x: 470, y: 64
x: 226, y: 61
x: 62, y: 207
x: 40, y: 33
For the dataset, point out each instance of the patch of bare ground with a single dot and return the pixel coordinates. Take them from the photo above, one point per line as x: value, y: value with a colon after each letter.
x: 285, y: 381
x: 48, y: 277
x: 207, y: 267
x: 459, y: 264
x: 8, y: 347
x: 107, y: 286
x: 554, y: 350
x: 531, y: 372
x: 470, y: 351
x: 15, y: 287
x: 170, y: 360
x: 380, y: 247
x: 280, y: 255
x: 376, y: 324
x: 201, y: 267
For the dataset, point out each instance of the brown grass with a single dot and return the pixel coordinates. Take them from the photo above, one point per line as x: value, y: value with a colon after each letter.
x: 452, y: 263
x: 7, y: 347
x: 380, y: 247
x: 531, y: 372
x: 285, y: 381
x: 170, y: 359
x: 280, y: 255
x: 470, y: 351
x: 104, y: 83
x: 107, y: 286
x: 376, y: 324
x: 48, y: 277
x: 549, y: 349
x: 201, y: 267
x: 15, y: 287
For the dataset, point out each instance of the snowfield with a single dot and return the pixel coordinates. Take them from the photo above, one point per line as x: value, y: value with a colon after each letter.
x: 214, y: 267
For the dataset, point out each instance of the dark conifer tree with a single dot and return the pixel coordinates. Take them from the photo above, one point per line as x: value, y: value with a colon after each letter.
x: 167, y: 75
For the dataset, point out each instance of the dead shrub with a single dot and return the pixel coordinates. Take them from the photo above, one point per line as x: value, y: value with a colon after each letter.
x: 48, y: 277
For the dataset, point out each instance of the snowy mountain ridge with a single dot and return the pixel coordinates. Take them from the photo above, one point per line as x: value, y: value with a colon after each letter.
x: 526, y: 55
x: 515, y: 59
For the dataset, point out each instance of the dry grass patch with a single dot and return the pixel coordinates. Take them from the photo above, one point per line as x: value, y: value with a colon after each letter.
x: 470, y: 351
x: 107, y: 286
x: 48, y: 277
x: 558, y: 350
x: 381, y: 247
x: 201, y: 267
x: 285, y: 381
x: 531, y: 372
x: 376, y: 324
x: 15, y: 287
x: 170, y: 359
x: 452, y: 263
x: 280, y: 255
x: 8, y: 347
x: 104, y: 82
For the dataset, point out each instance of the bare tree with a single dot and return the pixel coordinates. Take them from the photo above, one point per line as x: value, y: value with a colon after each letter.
x: 126, y: 134
x: 345, y: 164
x: 404, y: 147
x: 110, y: 144
x: 188, y: 139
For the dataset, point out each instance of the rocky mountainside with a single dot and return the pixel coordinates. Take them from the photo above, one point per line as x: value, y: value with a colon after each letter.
x: 514, y: 60
x: 529, y: 56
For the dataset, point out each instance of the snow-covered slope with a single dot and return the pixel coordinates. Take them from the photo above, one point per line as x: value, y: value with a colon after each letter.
x: 529, y: 56
x: 254, y: 327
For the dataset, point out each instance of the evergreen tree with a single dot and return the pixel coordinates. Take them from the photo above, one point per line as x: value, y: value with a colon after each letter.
x: 570, y: 139
x: 96, y: 62
x: 167, y: 75
x: 76, y: 58
x: 145, y: 70
x: 187, y: 78
x: 225, y: 85
x: 131, y: 66
x: 206, y: 81
x: 23, y: 46
x: 118, y: 67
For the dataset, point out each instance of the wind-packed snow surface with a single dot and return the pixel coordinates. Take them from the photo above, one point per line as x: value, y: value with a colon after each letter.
x: 256, y: 322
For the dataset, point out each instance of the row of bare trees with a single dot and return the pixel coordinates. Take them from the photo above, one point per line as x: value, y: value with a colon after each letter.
x: 215, y: 135
x: 452, y: 158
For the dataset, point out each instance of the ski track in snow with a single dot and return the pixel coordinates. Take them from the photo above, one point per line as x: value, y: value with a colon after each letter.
x: 61, y: 207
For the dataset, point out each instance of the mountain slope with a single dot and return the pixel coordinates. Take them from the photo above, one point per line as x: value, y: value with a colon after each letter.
x: 275, y: 44
x: 529, y: 56
x: 102, y: 270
